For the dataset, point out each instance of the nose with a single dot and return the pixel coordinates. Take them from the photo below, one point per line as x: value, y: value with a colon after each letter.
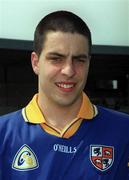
x: 68, y: 69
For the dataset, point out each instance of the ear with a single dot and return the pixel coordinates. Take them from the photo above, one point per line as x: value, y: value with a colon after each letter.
x: 89, y: 59
x: 35, y: 62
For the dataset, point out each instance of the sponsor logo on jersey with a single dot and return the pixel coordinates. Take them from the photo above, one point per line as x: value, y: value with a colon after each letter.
x: 64, y: 149
x: 25, y: 159
x: 101, y: 156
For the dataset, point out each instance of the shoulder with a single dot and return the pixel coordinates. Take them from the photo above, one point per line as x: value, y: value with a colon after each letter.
x: 10, y: 119
x: 113, y: 118
x: 112, y: 114
x: 10, y: 115
x: 113, y: 123
x: 9, y: 124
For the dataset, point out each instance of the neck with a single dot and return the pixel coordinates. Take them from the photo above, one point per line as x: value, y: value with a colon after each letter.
x: 56, y: 115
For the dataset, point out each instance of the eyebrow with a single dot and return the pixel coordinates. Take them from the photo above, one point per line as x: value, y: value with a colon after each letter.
x: 83, y: 56
x: 63, y: 55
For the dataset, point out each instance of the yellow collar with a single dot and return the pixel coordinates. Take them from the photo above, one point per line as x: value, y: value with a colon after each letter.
x: 33, y: 114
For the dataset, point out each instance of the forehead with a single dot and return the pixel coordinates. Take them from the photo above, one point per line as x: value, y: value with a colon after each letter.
x: 64, y: 41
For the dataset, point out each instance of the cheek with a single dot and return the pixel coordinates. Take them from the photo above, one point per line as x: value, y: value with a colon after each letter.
x: 82, y: 72
x: 49, y: 72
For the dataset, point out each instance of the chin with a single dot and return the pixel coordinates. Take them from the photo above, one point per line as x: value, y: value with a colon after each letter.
x: 66, y: 101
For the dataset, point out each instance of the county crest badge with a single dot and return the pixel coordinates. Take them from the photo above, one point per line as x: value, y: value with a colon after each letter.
x: 101, y: 156
x: 25, y: 159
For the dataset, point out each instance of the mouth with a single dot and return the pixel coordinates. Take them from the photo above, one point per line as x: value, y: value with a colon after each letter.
x: 66, y: 86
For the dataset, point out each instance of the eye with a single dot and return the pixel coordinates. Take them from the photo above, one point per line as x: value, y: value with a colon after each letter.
x: 55, y: 58
x: 80, y: 60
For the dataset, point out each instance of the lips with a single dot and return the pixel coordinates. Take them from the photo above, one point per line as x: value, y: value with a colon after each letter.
x: 66, y: 86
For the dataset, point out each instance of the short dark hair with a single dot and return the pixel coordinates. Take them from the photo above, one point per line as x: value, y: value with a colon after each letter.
x: 63, y: 21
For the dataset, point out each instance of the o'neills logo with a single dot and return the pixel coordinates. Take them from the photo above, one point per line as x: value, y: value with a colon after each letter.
x: 64, y: 149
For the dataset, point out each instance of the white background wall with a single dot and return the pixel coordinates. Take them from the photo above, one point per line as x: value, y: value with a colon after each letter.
x: 107, y: 19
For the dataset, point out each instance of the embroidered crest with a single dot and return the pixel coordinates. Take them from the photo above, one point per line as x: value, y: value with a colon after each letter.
x: 101, y: 156
x: 25, y: 159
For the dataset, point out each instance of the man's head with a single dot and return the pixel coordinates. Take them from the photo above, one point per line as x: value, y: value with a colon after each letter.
x: 61, y: 58
x: 63, y: 21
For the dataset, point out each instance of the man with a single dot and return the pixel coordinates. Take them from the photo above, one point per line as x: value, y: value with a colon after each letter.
x: 60, y: 134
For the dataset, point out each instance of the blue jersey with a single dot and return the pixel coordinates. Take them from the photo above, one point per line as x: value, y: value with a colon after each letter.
x: 99, y: 150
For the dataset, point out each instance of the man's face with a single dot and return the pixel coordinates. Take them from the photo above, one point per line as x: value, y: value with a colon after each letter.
x: 62, y: 67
